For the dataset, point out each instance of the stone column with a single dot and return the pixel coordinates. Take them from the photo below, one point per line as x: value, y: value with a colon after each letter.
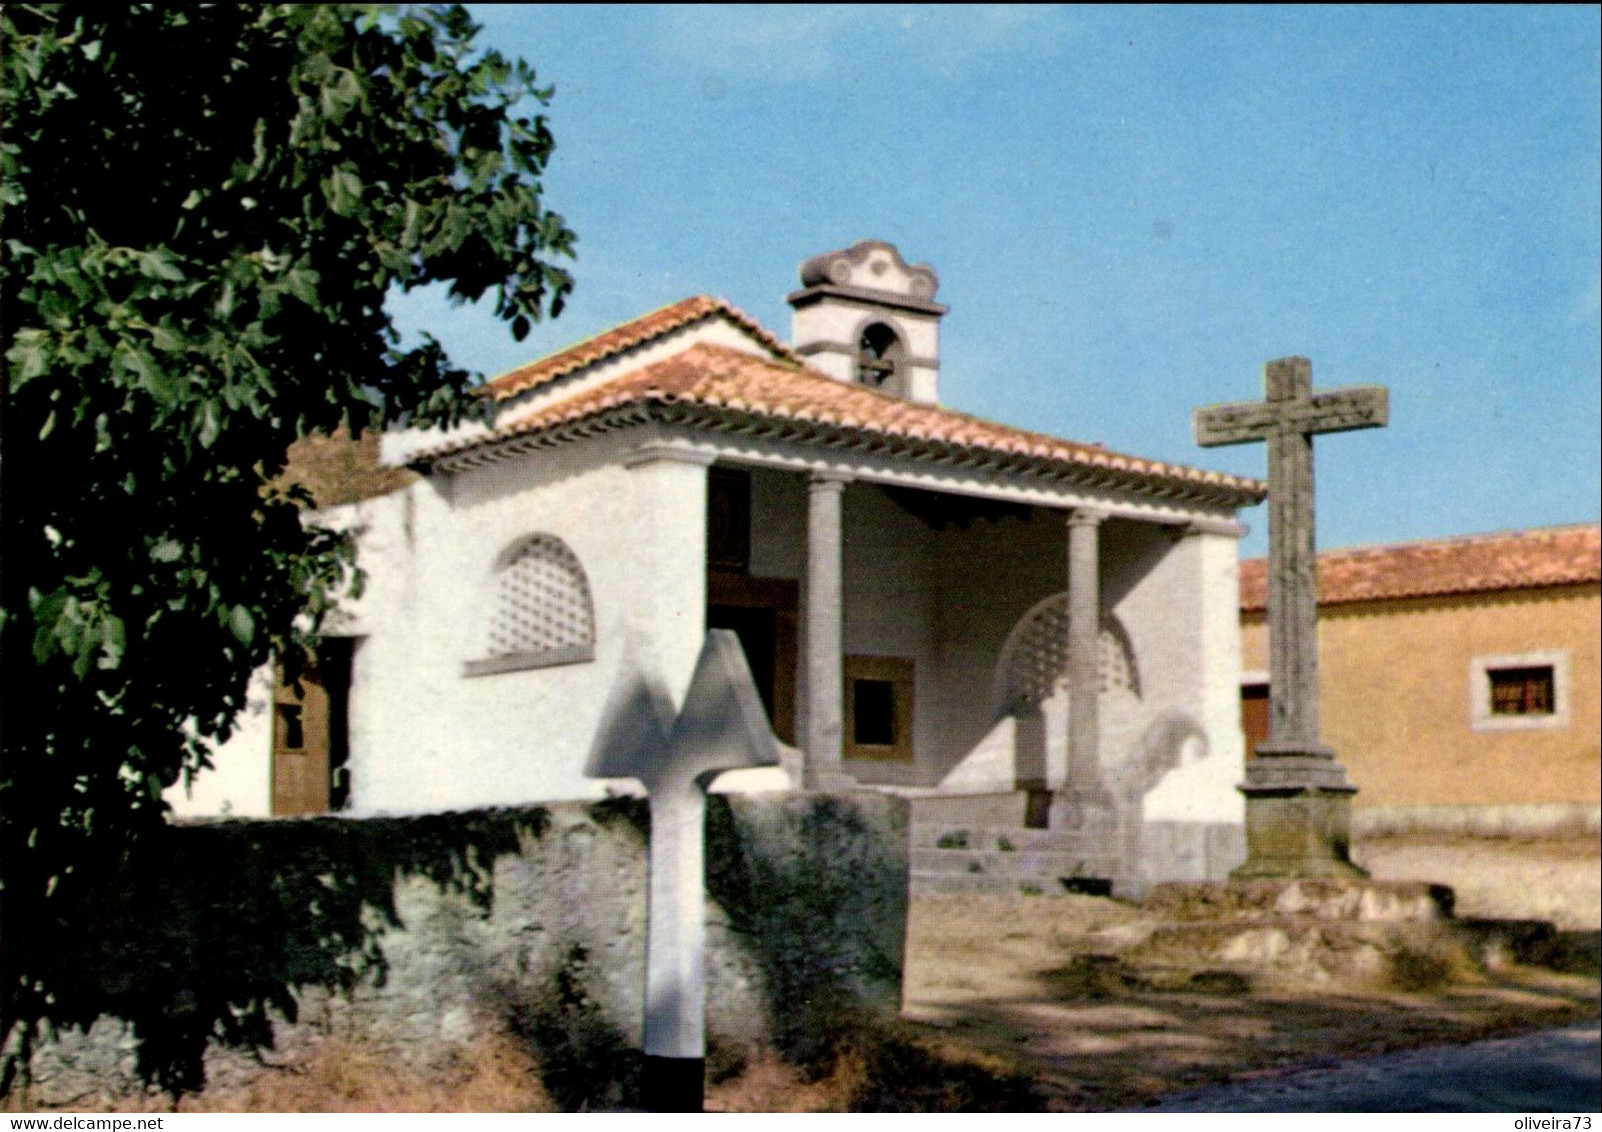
x: 824, y: 659
x: 1084, y: 635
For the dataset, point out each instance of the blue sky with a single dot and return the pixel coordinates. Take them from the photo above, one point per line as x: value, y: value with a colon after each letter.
x: 1130, y: 211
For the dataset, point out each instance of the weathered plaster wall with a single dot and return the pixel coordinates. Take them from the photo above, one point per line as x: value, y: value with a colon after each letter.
x: 1394, y: 682
x: 806, y: 925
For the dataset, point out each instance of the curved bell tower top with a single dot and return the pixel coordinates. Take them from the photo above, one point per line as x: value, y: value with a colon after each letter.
x: 865, y: 315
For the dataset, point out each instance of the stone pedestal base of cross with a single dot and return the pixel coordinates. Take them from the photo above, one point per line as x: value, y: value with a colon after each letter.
x: 1298, y: 801
x: 722, y: 726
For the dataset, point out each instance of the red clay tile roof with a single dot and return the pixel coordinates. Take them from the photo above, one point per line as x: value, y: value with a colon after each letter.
x: 714, y: 386
x: 1551, y: 556
x: 619, y: 339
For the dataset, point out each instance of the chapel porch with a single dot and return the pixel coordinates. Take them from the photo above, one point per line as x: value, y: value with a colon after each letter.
x: 921, y: 642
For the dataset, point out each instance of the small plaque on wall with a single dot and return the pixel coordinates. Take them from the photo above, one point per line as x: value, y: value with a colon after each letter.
x: 728, y: 520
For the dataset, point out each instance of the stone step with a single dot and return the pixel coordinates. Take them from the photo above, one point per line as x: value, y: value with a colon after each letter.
x: 957, y: 810
x: 948, y: 884
x: 1055, y: 870
x: 982, y: 837
x: 927, y: 884
x: 1028, y: 863
x: 1327, y: 900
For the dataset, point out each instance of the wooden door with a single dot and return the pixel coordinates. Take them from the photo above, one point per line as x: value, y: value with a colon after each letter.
x: 762, y: 612
x: 1254, y: 715
x: 300, y: 746
x: 310, y: 729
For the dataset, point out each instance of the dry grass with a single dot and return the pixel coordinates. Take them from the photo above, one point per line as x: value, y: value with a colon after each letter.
x: 494, y: 1075
x: 343, y: 1075
x: 769, y: 1084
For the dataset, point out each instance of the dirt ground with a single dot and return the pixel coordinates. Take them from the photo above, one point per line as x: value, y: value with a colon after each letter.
x: 996, y: 975
x: 999, y: 975
x: 1005, y: 985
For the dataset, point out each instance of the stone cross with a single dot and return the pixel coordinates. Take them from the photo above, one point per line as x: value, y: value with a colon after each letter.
x: 1293, y: 763
x: 722, y: 726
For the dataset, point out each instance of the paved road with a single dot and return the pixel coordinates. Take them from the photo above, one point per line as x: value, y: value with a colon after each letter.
x: 1553, y: 1071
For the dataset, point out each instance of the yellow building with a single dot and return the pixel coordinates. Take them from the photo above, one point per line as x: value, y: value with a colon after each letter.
x: 1458, y: 674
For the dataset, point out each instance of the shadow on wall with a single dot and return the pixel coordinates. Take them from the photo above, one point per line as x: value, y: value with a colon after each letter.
x: 816, y: 894
x: 231, y: 922
x: 527, y: 923
x: 807, y: 914
x: 586, y: 1062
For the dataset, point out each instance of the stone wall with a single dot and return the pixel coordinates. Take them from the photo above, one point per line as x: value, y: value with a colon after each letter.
x: 1553, y: 819
x: 807, y: 911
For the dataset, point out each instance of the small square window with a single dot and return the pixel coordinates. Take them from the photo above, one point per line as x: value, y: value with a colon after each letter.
x: 873, y: 713
x: 878, y: 708
x: 1522, y: 691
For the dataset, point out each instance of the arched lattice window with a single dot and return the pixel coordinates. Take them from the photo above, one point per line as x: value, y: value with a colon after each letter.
x: 1035, y: 660
x: 878, y: 356
x: 541, y: 613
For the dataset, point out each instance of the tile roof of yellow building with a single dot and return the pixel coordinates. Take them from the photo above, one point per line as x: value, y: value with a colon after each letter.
x: 1550, y: 556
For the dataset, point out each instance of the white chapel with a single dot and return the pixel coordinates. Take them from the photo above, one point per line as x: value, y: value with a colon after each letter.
x: 931, y: 604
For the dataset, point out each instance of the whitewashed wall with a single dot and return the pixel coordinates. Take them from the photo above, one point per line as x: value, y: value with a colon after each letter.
x: 1174, y: 596
x: 239, y: 781
x: 1184, y: 616
x: 427, y: 736
x: 990, y: 575
x: 889, y: 607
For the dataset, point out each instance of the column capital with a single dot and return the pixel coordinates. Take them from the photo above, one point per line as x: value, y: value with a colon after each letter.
x: 655, y: 452
x: 827, y: 481
x: 1086, y: 517
x: 1229, y: 528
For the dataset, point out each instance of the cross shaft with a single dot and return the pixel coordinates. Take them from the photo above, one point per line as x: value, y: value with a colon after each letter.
x: 1288, y: 419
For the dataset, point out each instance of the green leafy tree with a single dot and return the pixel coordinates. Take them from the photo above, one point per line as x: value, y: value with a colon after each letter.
x: 204, y: 211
